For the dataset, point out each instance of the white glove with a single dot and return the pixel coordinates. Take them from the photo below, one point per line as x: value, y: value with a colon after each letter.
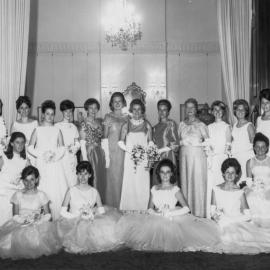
x: 33, y: 151
x: 164, y: 149
x: 249, y: 182
x: 65, y: 214
x: 151, y: 143
x: 105, y: 147
x: 101, y: 210
x: 177, y: 212
x: 60, y: 152
x: 83, y: 149
x: 122, y: 145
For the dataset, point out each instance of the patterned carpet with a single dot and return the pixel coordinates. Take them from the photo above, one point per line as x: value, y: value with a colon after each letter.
x: 126, y: 260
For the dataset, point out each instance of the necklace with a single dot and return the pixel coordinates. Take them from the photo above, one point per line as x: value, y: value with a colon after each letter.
x: 136, y: 122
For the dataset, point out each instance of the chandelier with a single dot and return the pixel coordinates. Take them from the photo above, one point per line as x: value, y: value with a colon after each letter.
x: 122, y: 26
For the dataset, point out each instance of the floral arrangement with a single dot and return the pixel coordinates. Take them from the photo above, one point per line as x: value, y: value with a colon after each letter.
x: 86, y: 212
x: 152, y: 154
x: 27, y: 219
x: 137, y: 155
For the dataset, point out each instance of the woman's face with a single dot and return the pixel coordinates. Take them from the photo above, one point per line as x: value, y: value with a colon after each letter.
x: 260, y: 148
x: 30, y: 182
x: 163, y: 112
x: 68, y: 115
x: 49, y: 115
x: 18, y: 145
x: 230, y: 175
x: 83, y: 177
x: 24, y: 110
x: 92, y: 110
x: 240, y: 112
x: 137, y: 111
x: 217, y: 112
x: 265, y: 104
x: 190, y: 109
x: 117, y: 103
x: 165, y: 174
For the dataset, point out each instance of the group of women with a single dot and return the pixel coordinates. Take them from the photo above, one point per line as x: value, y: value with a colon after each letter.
x: 199, y: 172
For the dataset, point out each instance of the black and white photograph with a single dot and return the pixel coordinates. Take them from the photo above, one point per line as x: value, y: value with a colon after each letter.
x: 134, y: 134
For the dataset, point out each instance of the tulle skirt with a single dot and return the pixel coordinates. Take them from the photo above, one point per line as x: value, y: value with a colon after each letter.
x: 157, y: 233
x: 28, y: 241
x: 86, y: 236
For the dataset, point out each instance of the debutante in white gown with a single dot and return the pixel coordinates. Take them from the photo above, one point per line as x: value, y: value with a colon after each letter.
x: 71, y: 141
x: 9, y: 183
x: 154, y: 232
x: 52, y: 176
x: 263, y: 126
x: 238, y: 236
x: 242, y: 148
x: 258, y: 195
x: 136, y: 182
x: 84, y: 236
x: 30, y: 234
x: 217, y: 138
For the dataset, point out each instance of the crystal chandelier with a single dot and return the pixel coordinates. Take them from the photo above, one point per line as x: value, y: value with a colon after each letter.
x: 122, y: 26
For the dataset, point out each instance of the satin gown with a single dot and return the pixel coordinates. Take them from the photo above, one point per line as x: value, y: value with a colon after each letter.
x: 136, y: 182
x: 165, y: 135
x: 95, y: 154
x: 116, y: 167
x: 193, y: 167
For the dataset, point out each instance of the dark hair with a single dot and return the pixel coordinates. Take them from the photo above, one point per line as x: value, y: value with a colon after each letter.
x: 86, y: 166
x: 165, y: 102
x: 117, y: 94
x: 239, y: 102
x: 259, y: 137
x: 21, y: 100
x: 193, y: 101
x: 29, y: 170
x: 232, y: 162
x: 166, y: 163
x: 47, y: 104
x: 265, y: 93
x: 137, y: 101
x: 219, y: 104
x: 1, y: 105
x: 67, y: 105
x: 14, y: 136
x: 89, y: 102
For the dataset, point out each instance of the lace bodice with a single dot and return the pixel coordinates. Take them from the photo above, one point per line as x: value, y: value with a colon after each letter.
x: 92, y: 134
x: 164, y: 198
x: 229, y: 202
x: 29, y: 203
x: 80, y: 198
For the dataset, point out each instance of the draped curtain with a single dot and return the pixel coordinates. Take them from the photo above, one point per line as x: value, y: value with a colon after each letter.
x: 14, y: 30
x: 234, y: 28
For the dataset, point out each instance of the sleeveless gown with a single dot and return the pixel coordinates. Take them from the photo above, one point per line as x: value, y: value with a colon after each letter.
x: 158, y: 233
x: 165, y: 134
x: 258, y: 196
x: 263, y: 126
x: 239, y: 237
x: 116, y: 168
x: 242, y: 148
x: 9, y: 176
x: 136, y: 183
x: 193, y: 168
x: 87, y: 236
x: 19, y: 240
x: 52, y: 176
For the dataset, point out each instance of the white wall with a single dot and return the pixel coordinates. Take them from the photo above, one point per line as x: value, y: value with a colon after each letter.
x: 66, y: 60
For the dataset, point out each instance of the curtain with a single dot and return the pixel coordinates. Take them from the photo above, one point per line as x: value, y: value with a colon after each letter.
x: 234, y: 28
x: 14, y: 30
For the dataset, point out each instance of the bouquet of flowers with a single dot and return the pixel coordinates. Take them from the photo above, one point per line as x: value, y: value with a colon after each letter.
x: 27, y: 219
x: 153, y: 155
x: 258, y: 185
x: 48, y: 156
x: 87, y: 212
x: 137, y: 155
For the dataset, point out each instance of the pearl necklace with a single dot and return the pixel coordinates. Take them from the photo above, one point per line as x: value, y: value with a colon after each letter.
x: 136, y: 122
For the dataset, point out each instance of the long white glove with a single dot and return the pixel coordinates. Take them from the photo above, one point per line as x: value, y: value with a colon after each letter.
x: 101, y: 210
x: 122, y: 145
x: 64, y: 213
x: 83, y: 149
x: 177, y: 212
x: 60, y: 152
x: 33, y: 151
x: 105, y: 147
x: 164, y: 149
